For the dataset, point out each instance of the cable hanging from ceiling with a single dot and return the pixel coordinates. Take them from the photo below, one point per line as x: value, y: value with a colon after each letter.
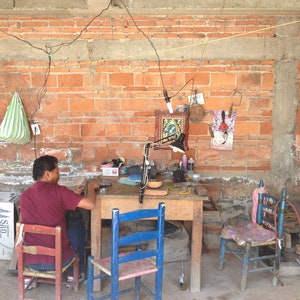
x: 50, y: 50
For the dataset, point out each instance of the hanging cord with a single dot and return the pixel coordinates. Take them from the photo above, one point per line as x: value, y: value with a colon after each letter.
x: 50, y: 51
x: 149, y: 40
x: 156, y: 53
x: 35, y: 146
x: 231, y: 106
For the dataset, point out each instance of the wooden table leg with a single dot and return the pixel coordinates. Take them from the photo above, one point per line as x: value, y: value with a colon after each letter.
x: 96, y: 236
x: 196, y: 247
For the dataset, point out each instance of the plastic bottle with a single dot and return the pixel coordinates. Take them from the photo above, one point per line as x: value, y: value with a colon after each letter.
x: 184, y: 162
x: 191, y: 164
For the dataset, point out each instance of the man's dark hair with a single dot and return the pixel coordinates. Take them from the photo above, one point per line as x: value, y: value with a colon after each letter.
x: 42, y: 164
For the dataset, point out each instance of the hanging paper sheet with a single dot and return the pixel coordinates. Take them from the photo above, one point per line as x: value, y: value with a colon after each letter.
x: 223, y: 128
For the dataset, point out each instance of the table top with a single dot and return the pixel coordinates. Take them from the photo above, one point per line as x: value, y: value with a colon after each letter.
x: 119, y: 190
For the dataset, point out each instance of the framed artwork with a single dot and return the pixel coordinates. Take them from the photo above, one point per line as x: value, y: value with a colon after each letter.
x: 167, y: 124
x: 222, y: 130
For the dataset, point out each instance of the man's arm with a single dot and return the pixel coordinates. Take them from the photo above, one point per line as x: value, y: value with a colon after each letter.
x: 88, y: 202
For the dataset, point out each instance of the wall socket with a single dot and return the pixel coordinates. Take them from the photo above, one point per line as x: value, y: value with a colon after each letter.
x: 35, y: 129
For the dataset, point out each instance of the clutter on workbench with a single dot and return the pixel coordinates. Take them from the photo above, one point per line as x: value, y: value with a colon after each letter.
x: 111, y: 168
x: 191, y: 164
x: 184, y: 162
x: 179, y: 176
x: 153, y: 184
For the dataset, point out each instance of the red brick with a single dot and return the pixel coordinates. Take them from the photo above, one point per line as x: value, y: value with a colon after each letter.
x: 147, y: 79
x: 66, y: 130
x: 52, y: 105
x: 260, y: 104
x: 266, y: 128
x: 249, y: 79
x: 70, y: 80
x: 223, y: 79
x: 121, y: 79
x: 246, y: 127
x: 93, y: 130
x: 118, y: 130
x: 79, y: 105
x: 14, y: 81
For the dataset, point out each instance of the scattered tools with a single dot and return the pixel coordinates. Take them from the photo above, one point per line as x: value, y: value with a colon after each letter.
x: 186, y: 190
x: 172, y: 187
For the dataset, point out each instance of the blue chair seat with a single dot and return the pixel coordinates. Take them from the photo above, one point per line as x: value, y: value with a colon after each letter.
x: 129, y: 269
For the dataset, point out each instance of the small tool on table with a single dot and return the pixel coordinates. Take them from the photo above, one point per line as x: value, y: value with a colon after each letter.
x: 185, y: 191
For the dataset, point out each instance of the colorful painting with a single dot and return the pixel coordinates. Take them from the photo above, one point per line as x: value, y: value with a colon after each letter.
x: 167, y: 124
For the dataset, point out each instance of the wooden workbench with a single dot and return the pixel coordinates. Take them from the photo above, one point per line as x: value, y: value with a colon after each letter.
x: 178, y: 207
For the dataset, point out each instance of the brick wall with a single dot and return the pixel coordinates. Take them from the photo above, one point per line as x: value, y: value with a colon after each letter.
x: 94, y: 110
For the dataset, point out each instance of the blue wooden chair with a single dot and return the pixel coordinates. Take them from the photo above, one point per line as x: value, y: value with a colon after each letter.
x: 258, y: 245
x: 124, y: 265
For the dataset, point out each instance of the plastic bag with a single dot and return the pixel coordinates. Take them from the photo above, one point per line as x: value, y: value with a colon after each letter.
x: 14, y: 128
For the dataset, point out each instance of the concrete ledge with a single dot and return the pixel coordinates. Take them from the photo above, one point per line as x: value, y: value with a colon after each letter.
x: 50, y: 4
x: 289, y: 269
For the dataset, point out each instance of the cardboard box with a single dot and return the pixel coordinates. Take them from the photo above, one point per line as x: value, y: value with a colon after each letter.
x: 110, y: 171
x: 7, y: 224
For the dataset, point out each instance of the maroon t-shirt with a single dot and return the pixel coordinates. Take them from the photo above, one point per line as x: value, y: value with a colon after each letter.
x: 44, y: 203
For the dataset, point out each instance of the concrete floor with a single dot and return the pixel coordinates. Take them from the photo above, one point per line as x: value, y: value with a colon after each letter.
x: 216, y: 285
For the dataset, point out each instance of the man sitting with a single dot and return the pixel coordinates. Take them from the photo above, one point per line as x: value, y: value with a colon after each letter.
x: 46, y: 203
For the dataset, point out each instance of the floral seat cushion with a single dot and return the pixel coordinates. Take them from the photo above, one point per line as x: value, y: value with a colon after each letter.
x: 250, y: 232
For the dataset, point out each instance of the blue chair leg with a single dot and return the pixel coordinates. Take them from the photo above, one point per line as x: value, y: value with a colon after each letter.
x: 137, y: 287
x: 256, y: 254
x: 221, y: 253
x: 276, y: 268
x: 159, y: 284
x: 245, y: 266
x: 114, y: 288
x: 90, y: 281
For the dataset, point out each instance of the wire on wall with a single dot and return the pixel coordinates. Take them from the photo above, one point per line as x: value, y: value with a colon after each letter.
x: 50, y: 51
x: 149, y: 40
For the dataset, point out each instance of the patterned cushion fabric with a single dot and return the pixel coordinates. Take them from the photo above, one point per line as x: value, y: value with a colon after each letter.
x: 250, y: 232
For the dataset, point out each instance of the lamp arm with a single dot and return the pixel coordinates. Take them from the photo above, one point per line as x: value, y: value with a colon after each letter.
x: 144, y: 172
x: 145, y: 163
x: 166, y: 137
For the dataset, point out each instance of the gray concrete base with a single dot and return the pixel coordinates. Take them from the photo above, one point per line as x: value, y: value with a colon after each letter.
x: 289, y: 269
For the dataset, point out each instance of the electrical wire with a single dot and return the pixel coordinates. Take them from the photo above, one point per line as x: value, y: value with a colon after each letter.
x: 35, y: 145
x: 149, y: 40
x: 206, y: 42
x: 43, y: 89
x: 49, y: 50
x: 59, y: 46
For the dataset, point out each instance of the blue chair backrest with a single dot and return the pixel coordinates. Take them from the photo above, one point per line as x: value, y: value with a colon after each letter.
x: 136, y: 238
x: 266, y: 214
